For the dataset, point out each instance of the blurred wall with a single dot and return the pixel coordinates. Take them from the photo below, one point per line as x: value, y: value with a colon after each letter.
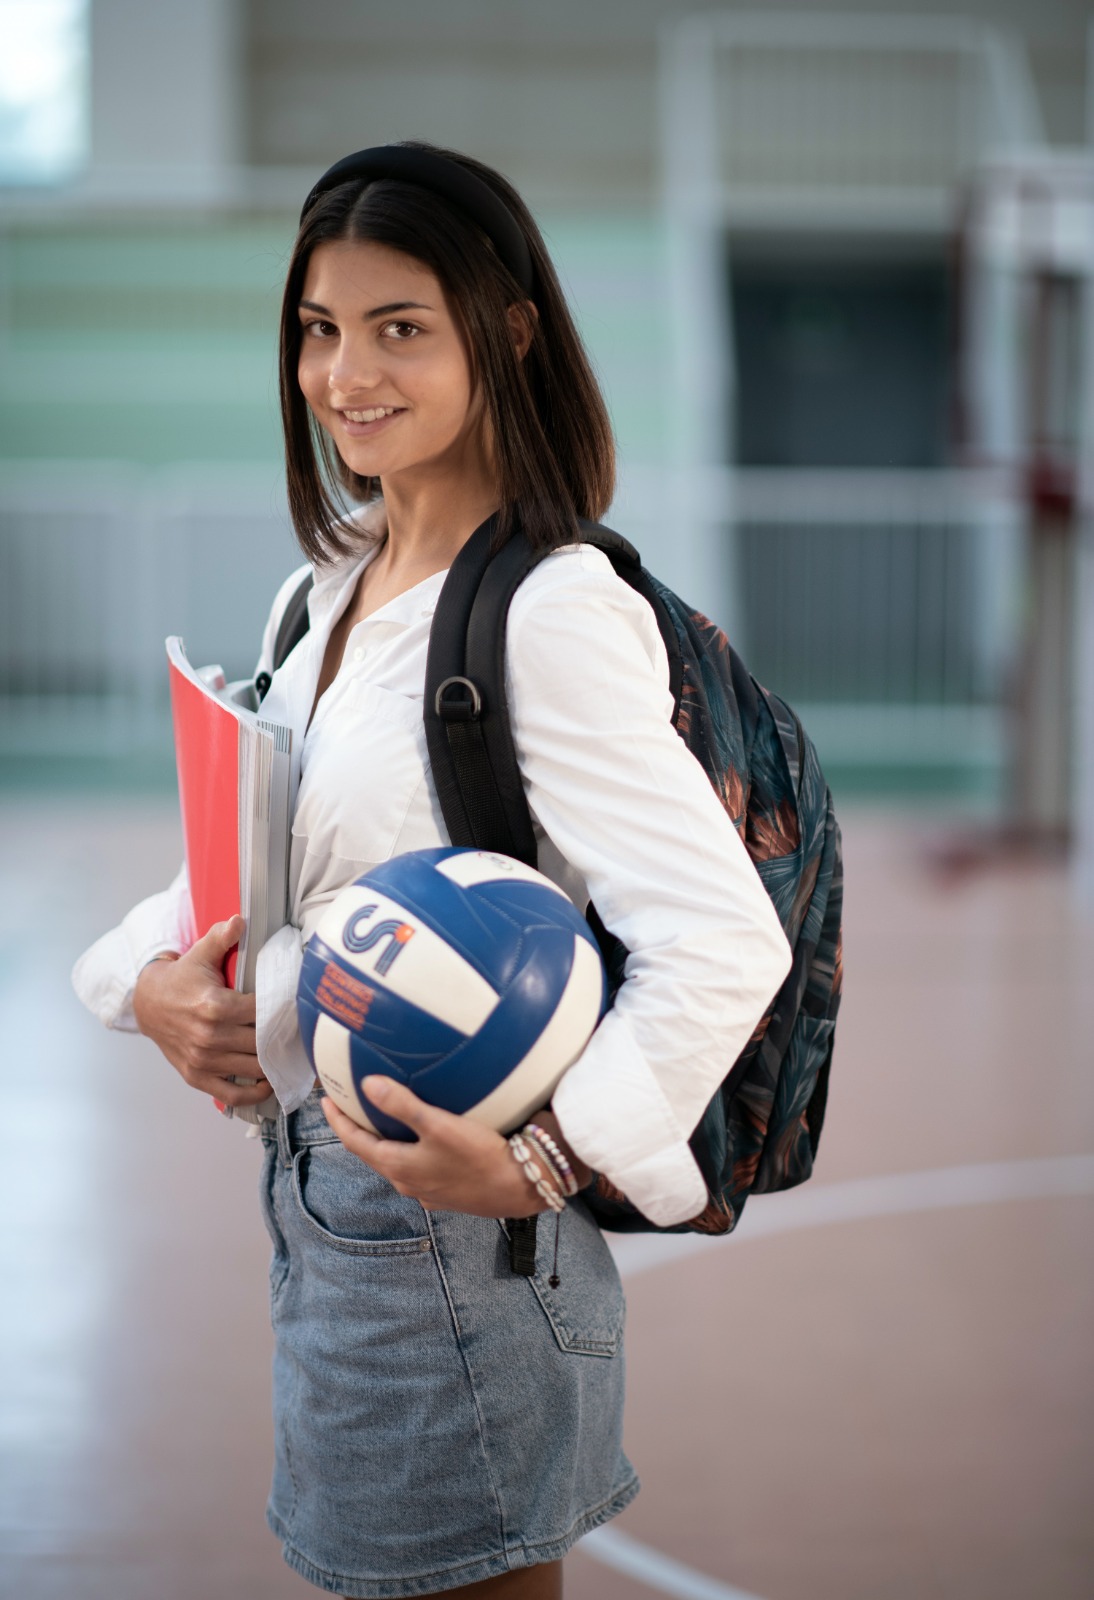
x: 138, y: 313
x: 563, y: 97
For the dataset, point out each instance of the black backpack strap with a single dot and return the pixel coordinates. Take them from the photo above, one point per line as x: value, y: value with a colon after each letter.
x: 290, y: 630
x: 466, y: 718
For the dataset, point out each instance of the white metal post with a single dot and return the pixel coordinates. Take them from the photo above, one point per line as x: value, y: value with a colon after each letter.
x: 701, y: 562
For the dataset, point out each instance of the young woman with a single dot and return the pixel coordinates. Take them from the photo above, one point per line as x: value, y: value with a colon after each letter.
x: 444, y: 1424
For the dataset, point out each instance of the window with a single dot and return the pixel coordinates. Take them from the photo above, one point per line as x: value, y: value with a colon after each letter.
x: 43, y: 90
x: 842, y: 362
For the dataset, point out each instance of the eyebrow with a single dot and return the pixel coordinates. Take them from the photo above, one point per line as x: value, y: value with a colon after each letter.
x: 377, y: 311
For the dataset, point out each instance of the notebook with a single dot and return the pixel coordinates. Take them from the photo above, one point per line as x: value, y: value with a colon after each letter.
x: 234, y: 770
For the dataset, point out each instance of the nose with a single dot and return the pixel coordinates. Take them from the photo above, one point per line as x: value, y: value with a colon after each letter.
x: 354, y: 367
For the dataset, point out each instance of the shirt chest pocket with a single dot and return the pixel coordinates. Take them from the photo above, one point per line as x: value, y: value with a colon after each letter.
x: 363, y: 764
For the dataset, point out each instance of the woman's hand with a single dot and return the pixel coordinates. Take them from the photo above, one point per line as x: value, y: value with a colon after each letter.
x: 456, y: 1165
x: 205, y: 1029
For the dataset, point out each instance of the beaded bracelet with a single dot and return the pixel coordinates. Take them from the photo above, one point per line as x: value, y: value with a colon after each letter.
x: 553, y: 1175
x: 522, y: 1155
x: 533, y: 1154
x: 554, y: 1157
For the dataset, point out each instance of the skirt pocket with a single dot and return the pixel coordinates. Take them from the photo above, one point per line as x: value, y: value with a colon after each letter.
x: 586, y: 1310
x: 347, y: 1206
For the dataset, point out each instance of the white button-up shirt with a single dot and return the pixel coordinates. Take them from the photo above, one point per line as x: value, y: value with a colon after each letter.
x: 623, y: 813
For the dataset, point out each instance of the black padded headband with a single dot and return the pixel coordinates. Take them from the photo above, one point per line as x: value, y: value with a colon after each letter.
x: 444, y: 177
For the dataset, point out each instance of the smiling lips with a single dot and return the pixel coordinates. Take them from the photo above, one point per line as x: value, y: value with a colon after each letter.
x: 372, y: 414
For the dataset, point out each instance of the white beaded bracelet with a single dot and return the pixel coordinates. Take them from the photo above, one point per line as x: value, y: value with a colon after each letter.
x: 522, y: 1155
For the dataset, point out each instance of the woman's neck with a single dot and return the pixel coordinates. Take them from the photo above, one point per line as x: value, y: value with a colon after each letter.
x: 424, y: 534
x: 429, y: 521
x: 416, y: 548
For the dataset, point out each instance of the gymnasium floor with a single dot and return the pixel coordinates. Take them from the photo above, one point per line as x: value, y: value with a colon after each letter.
x: 881, y: 1388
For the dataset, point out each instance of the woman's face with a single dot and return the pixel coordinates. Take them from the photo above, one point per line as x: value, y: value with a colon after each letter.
x: 383, y: 364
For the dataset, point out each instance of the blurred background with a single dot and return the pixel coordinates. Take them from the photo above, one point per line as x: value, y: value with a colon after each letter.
x: 835, y: 269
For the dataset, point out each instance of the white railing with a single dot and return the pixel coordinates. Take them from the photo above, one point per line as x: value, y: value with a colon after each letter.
x: 97, y: 565
x: 883, y: 605
x: 764, y: 112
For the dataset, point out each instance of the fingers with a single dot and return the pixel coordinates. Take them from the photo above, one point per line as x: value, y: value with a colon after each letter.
x: 222, y: 1008
x: 355, y: 1138
x: 391, y: 1158
x: 238, y: 1066
x: 189, y: 998
x: 221, y: 937
x: 442, y: 1138
x: 248, y: 1093
x: 217, y: 1076
x: 396, y: 1100
x: 212, y: 948
x: 239, y: 1041
x: 455, y: 1165
x: 208, y: 1038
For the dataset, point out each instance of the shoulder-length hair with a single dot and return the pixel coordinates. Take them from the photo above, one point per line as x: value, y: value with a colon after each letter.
x: 552, y: 436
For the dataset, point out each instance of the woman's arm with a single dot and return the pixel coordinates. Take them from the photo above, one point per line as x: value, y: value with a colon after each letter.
x: 625, y: 803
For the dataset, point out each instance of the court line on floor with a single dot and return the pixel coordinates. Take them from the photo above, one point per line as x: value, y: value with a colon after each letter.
x: 858, y: 1199
x: 861, y: 1199
x: 624, y: 1554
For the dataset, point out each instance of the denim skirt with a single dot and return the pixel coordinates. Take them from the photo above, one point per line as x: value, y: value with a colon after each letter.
x: 437, y: 1419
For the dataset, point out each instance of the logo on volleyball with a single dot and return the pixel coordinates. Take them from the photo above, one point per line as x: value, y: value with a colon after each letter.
x: 396, y: 933
x: 343, y: 996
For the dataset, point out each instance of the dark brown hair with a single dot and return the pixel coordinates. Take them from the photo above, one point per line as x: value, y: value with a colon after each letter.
x: 552, y: 436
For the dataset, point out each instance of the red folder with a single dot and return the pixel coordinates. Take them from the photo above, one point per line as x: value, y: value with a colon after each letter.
x: 207, y: 754
x: 235, y: 776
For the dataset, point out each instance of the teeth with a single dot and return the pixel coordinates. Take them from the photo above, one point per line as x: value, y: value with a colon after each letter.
x: 372, y: 415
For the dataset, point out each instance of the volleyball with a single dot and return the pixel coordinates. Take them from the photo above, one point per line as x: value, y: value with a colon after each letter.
x: 465, y: 975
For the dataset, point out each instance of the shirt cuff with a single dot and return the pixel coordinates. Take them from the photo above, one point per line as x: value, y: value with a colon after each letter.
x: 105, y: 976
x: 618, y: 1119
x: 281, y: 1051
x: 667, y: 1188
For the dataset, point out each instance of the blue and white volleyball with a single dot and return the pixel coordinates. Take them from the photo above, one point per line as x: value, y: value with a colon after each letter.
x: 465, y: 975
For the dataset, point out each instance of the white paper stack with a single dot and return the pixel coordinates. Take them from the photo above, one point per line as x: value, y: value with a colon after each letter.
x: 264, y: 777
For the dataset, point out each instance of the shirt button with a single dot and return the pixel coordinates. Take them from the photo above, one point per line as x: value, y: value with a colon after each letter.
x: 358, y: 654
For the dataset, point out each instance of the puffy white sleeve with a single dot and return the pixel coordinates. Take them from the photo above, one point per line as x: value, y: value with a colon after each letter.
x: 105, y: 976
x: 626, y: 803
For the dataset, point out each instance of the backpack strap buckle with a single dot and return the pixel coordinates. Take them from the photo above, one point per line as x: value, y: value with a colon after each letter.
x: 456, y: 707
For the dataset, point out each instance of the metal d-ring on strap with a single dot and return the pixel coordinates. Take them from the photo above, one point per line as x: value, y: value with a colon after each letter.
x: 458, y: 705
x: 458, y: 710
